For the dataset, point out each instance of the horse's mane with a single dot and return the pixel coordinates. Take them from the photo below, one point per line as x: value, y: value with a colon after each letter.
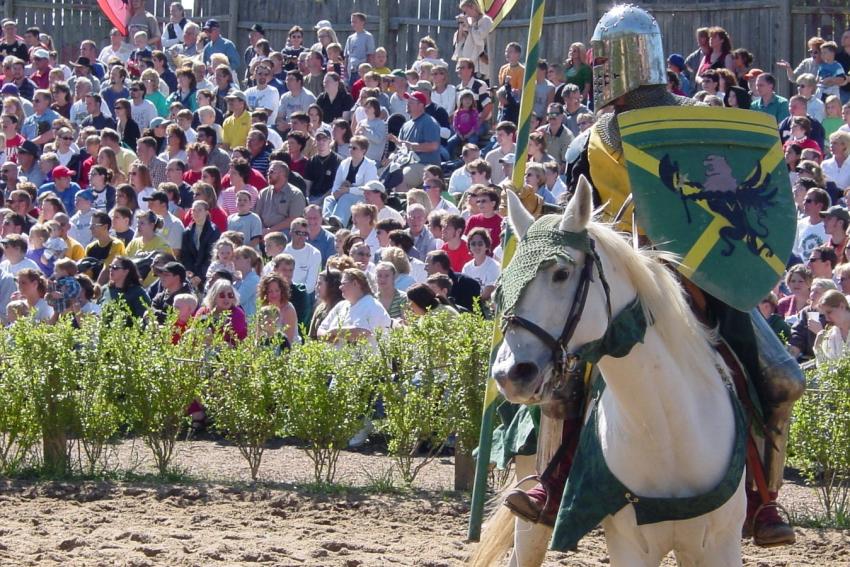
x: 663, y: 300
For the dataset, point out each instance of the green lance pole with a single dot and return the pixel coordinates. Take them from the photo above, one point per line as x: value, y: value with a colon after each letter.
x: 492, y: 397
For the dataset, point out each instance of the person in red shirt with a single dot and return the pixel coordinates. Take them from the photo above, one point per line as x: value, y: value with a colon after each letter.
x: 92, y: 149
x: 454, y: 245
x: 197, y: 156
x: 41, y: 68
x: 9, y: 123
x: 488, y: 203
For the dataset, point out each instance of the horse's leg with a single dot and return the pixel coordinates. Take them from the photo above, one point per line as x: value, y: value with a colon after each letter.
x: 630, y: 545
x: 714, y: 540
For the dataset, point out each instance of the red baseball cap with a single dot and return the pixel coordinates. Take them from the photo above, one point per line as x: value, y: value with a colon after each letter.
x: 61, y: 171
x: 420, y: 96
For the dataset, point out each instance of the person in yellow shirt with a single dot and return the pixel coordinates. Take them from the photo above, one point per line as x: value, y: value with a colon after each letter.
x: 147, y: 240
x: 513, y: 69
x: 103, y: 247
x: 238, y: 124
x: 75, y: 250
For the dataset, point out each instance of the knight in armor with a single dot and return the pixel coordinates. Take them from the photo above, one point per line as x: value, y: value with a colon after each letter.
x: 629, y: 73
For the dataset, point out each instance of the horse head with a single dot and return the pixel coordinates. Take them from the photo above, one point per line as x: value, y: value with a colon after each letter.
x: 536, y: 296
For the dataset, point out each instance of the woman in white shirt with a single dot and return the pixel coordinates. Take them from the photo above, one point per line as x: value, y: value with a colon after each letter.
x: 359, y: 316
x: 352, y: 174
x: 833, y: 342
x: 482, y: 268
x: 837, y: 168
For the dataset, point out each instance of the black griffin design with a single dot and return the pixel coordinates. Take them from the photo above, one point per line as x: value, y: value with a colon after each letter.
x: 743, y: 205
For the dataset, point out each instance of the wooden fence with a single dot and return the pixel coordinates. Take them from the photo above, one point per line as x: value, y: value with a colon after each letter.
x: 770, y: 29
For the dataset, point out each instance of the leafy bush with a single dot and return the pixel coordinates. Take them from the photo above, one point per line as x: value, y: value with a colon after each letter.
x: 820, y: 434
x: 20, y: 430
x: 326, y: 392
x: 244, y: 398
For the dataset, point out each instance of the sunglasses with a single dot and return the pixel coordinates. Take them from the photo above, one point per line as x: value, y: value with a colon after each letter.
x: 813, y: 259
x: 67, y: 138
x: 226, y: 295
x: 553, y: 115
x: 809, y: 201
x: 116, y: 267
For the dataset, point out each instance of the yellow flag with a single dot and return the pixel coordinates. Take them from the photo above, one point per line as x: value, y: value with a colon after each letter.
x: 497, y: 9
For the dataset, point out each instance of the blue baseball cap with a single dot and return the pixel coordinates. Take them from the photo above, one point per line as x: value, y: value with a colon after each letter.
x: 86, y: 194
x: 209, y: 24
x: 677, y: 60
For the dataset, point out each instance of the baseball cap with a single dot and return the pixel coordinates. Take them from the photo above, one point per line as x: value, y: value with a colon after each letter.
x: 838, y: 212
x: 10, y: 89
x: 61, y: 171
x: 509, y: 158
x: 157, y: 122
x: 322, y: 133
x: 7, y: 21
x: 397, y: 73
x: 209, y: 24
x: 259, y: 29
x: 175, y: 268
x: 418, y: 96
x: 375, y: 186
x: 677, y: 60
x: 29, y: 147
x: 86, y: 194
x: 238, y: 94
x: 323, y: 24
x: 752, y: 74
x: 40, y: 54
x: 160, y: 196
x: 423, y: 86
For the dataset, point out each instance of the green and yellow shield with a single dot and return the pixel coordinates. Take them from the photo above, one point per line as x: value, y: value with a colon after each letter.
x: 711, y: 185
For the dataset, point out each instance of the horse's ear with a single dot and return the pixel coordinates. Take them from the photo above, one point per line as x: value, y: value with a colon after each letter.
x: 579, y: 209
x: 518, y: 216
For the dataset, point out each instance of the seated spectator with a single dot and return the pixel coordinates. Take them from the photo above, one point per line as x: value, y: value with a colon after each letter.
x: 32, y: 287
x: 482, y: 267
x: 465, y: 290
x: 172, y: 277
x: 488, y: 203
x: 274, y: 291
x: 15, y: 259
x: 837, y: 167
x: 103, y: 246
x: 328, y: 295
x: 454, y: 245
x: 198, y: 240
x: 249, y: 266
x: 424, y: 300
x: 359, y: 316
x: 222, y: 312
x: 147, y: 239
x: 798, y: 278
x: 353, y: 174
x: 805, y: 329
x: 125, y: 287
x: 421, y: 135
x: 390, y: 297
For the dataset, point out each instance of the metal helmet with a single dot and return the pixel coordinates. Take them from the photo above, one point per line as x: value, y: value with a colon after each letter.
x: 627, y: 53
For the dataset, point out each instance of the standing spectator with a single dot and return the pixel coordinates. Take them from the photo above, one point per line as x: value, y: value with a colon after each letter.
x: 830, y: 73
x: 470, y: 39
x: 315, y: 78
x: 720, y: 56
x: 577, y: 72
x: 374, y: 129
x: 769, y: 102
x: 359, y: 46
x: 809, y: 64
x: 219, y: 44
x: 10, y: 44
x: 172, y: 31
x: 117, y: 48
x: 806, y: 87
x: 255, y: 34
x: 142, y: 21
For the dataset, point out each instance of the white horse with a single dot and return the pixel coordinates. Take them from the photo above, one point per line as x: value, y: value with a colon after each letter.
x: 666, y: 423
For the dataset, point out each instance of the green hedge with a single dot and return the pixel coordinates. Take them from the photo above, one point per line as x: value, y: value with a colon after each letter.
x: 68, y: 391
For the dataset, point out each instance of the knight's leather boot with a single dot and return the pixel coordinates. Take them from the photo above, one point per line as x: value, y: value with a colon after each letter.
x: 532, y: 506
x: 764, y: 524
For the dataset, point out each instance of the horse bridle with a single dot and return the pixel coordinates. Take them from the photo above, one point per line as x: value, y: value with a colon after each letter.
x: 566, y: 361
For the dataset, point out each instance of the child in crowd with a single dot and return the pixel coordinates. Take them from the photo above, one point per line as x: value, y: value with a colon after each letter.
x: 274, y: 244
x: 64, y: 290
x: 222, y: 258
x: 465, y: 123
x: 16, y: 309
x: 830, y: 72
x: 185, y: 304
x: 37, y: 252
x: 833, y: 120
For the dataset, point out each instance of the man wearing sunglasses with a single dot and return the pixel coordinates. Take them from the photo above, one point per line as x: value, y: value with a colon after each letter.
x: 558, y: 136
x: 261, y: 95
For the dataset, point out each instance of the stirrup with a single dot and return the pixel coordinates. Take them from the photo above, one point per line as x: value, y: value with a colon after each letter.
x: 539, y: 517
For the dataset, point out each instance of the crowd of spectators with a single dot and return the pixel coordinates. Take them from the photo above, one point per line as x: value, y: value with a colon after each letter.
x: 311, y: 186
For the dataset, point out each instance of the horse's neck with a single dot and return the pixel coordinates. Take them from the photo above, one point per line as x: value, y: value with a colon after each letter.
x: 664, y: 431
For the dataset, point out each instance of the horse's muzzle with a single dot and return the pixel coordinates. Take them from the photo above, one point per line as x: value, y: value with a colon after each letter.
x: 521, y: 383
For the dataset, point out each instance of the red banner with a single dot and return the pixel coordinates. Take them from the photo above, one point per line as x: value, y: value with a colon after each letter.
x: 118, y: 12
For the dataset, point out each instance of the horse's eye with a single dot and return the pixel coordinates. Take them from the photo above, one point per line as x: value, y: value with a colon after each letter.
x: 560, y: 275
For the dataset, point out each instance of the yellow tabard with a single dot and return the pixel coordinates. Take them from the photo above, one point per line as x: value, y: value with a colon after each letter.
x: 610, y: 178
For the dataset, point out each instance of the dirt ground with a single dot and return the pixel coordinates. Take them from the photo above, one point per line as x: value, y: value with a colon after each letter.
x: 214, y: 518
